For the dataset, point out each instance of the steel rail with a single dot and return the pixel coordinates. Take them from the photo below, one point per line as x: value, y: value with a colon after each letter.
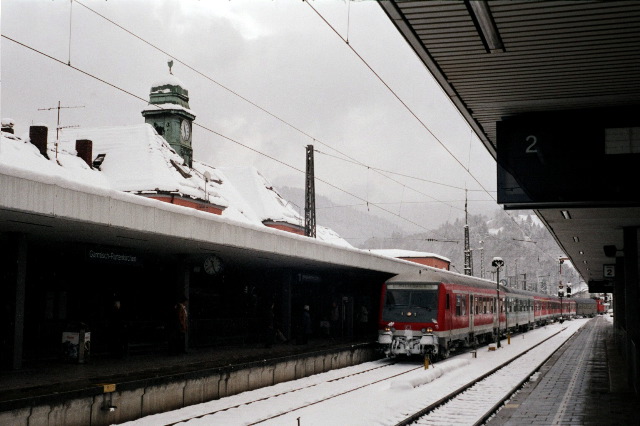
x: 335, y: 379
x: 451, y: 396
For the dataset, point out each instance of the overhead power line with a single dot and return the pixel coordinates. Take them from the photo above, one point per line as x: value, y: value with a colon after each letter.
x: 404, y: 104
x: 398, y: 174
x: 233, y: 92
x: 407, y: 107
x: 114, y: 86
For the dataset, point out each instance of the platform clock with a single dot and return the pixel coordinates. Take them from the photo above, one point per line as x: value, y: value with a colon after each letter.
x: 185, y: 131
x: 213, y: 265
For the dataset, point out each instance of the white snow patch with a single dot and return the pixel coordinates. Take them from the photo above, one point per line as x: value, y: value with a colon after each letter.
x: 398, y: 253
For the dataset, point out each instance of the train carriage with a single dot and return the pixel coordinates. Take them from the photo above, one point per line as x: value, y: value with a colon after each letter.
x: 434, y: 311
x: 431, y: 312
x: 586, y: 307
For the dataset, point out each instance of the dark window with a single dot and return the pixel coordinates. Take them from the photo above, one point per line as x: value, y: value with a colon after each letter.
x: 410, y: 305
x: 461, y: 308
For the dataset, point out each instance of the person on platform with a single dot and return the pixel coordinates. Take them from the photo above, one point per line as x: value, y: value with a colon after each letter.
x: 335, y: 320
x: 117, y: 331
x: 305, y: 331
x: 180, y: 327
x: 270, y: 331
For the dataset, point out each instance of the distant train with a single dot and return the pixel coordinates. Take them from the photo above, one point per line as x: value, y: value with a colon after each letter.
x: 432, y: 312
x: 590, y: 307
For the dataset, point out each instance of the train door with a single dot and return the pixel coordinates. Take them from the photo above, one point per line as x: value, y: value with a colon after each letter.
x: 450, y: 304
x: 461, y: 315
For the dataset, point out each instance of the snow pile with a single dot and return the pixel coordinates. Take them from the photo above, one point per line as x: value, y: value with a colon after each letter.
x: 398, y: 253
x: 8, y: 122
x: 435, y: 372
x: 257, y: 198
x: 167, y: 106
x: 19, y: 157
x: 167, y: 80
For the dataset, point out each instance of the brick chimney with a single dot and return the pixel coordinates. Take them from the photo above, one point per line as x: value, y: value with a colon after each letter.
x: 84, y: 147
x: 7, y: 125
x: 38, y: 136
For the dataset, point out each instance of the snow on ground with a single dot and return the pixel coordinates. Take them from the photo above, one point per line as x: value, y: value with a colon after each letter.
x: 383, y: 403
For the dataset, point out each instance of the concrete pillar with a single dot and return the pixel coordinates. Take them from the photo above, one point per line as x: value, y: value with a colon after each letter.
x: 632, y: 316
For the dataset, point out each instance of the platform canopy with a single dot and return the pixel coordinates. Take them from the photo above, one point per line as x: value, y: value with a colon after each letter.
x: 552, y: 89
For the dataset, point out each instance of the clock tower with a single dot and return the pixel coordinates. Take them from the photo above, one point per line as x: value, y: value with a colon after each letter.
x: 168, y: 112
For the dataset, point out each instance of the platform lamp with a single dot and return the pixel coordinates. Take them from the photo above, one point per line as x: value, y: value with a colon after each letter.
x: 498, y: 263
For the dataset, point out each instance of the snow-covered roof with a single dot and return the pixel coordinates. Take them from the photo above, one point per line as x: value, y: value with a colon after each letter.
x: 139, y: 161
x: 21, y: 158
x: 257, y: 197
x: 398, y: 253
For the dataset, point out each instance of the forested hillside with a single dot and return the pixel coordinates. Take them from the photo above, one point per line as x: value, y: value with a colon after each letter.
x: 529, y: 251
x: 525, y: 245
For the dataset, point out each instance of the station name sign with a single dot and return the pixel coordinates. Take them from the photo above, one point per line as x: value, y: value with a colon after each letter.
x: 105, y: 255
x: 562, y: 158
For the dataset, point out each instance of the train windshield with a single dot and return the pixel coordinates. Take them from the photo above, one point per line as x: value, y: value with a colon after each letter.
x: 410, y: 302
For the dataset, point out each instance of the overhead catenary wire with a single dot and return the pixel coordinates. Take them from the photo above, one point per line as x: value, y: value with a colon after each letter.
x: 379, y: 171
x: 399, y: 174
x: 112, y: 85
x: 404, y: 104
x: 233, y: 92
x: 70, y: 22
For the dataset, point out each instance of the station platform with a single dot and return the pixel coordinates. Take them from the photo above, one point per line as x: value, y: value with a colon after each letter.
x: 53, y: 381
x: 584, y: 383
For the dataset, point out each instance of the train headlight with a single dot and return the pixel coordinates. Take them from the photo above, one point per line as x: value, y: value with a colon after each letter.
x: 387, y: 329
x: 409, y: 314
x: 429, y: 330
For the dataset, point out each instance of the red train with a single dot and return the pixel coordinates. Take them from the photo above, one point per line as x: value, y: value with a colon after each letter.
x: 432, y: 312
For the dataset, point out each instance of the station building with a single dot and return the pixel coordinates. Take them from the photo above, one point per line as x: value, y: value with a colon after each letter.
x: 125, y: 214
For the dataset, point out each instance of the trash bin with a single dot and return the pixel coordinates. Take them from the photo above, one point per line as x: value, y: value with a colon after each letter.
x: 76, y: 345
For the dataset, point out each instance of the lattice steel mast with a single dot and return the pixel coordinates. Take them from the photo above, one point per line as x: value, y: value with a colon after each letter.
x: 310, y: 197
x: 468, y: 270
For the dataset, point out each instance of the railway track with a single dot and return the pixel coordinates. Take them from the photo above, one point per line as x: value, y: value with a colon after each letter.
x: 385, y: 393
x: 289, y: 391
x: 477, y: 401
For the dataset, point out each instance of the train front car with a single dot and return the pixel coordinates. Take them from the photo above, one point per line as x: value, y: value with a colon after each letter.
x: 408, y: 317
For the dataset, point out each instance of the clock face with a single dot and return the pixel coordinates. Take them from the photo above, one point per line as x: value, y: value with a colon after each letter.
x: 185, y: 131
x: 212, y: 265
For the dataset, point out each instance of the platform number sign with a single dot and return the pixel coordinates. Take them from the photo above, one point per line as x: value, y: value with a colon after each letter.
x: 609, y: 271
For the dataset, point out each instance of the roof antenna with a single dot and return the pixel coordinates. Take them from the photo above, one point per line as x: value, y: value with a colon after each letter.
x: 170, y: 63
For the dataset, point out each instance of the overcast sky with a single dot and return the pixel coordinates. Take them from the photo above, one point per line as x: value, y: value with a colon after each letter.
x: 279, y: 55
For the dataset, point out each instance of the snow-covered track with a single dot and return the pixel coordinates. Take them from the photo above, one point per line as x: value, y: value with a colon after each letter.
x: 352, y: 374
x: 478, y: 400
x: 344, y: 392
